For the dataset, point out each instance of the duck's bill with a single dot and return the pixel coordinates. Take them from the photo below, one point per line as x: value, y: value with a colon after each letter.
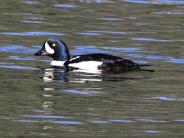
x: 40, y: 52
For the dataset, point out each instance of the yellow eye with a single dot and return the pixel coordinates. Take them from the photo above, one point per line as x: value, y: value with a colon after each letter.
x: 53, y: 44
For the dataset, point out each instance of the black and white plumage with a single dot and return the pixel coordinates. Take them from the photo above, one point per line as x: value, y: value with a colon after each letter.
x: 91, y: 63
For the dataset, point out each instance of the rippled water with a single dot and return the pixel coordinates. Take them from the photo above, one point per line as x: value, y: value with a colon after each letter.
x: 37, y: 101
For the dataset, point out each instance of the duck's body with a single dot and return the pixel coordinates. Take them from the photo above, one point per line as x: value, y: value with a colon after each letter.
x: 92, y: 63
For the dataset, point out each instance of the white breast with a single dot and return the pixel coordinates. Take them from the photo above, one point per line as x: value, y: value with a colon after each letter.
x: 57, y: 63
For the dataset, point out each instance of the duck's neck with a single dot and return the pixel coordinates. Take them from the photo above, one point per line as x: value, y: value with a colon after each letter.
x: 61, y: 53
x: 61, y: 56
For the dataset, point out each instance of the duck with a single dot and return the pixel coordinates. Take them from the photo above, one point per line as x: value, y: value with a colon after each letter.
x: 90, y: 63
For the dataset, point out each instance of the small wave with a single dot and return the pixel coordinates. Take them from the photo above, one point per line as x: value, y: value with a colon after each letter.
x: 169, y: 12
x: 163, y: 98
x: 45, y: 116
x: 80, y: 92
x: 21, y: 59
x: 124, y: 49
x: 34, y: 22
x: 121, y: 121
x: 163, y: 2
x: 86, y: 49
x: 18, y: 67
x: 110, y: 19
x: 96, y: 1
x: 89, y: 33
x: 16, y: 49
x: 102, y: 32
x: 67, y: 122
x: 108, y: 32
x: 175, y: 60
x: 152, y: 131
x: 149, y: 39
x: 158, y: 57
x: 99, y: 122
x: 65, y: 6
x: 180, y: 120
x: 31, y: 33
x: 27, y: 121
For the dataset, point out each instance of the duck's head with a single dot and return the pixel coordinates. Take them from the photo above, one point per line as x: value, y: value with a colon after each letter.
x: 54, y: 48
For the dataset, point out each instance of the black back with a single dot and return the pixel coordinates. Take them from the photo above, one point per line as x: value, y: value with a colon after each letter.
x: 92, y: 57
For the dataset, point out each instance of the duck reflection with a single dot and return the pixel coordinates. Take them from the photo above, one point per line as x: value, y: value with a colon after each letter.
x: 51, y: 74
x: 81, y: 76
x: 61, y: 74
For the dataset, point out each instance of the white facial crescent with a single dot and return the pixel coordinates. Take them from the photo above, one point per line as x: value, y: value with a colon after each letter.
x: 48, y: 49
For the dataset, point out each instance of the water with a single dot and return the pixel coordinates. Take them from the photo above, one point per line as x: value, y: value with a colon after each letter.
x: 37, y: 101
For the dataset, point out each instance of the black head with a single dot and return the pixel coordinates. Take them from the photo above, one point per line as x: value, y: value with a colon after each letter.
x: 54, y: 48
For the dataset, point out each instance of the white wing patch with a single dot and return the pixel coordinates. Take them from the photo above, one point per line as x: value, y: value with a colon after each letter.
x: 74, y: 58
x: 87, y: 66
x: 48, y: 49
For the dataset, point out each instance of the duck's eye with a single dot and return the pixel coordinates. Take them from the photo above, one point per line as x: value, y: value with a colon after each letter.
x: 53, y: 44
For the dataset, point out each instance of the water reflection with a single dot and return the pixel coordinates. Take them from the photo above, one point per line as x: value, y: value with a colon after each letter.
x: 82, y: 76
x: 89, y: 104
x: 67, y: 122
x: 81, y: 92
x: 27, y: 121
x: 64, y: 120
x: 65, y: 6
x: 31, y: 2
x: 170, y: 2
x: 31, y: 33
x: 158, y: 57
x: 108, y: 32
x: 45, y: 116
x: 101, y: 32
x: 96, y: 1
x: 99, y: 122
x: 52, y: 74
x: 33, y: 19
x: 110, y: 19
x: 122, y: 121
x: 35, y: 22
x: 180, y: 120
x: 61, y: 74
x: 175, y: 60
x: 170, y: 13
x: 163, y: 98
x: 16, y: 49
x: 18, y: 67
x: 125, y: 49
x: 20, y: 58
x: 151, y: 120
x: 152, y: 131
x: 89, y: 33
x: 149, y: 39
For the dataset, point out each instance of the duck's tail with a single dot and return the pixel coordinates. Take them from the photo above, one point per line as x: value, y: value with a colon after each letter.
x: 148, y: 70
x: 147, y: 64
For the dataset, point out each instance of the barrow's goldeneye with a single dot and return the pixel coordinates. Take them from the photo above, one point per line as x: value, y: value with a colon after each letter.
x: 99, y: 62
